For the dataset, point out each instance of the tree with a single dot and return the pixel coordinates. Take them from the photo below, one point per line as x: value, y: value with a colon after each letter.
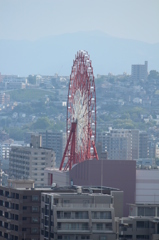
x: 125, y: 116
x: 32, y: 79
x: 42, y: 123
x: 153, y: 75
x: 16, y: 133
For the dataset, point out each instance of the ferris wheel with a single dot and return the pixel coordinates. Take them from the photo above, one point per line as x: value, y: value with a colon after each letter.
x: 81, y: 113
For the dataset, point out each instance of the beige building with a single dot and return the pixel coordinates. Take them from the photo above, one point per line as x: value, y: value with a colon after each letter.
x: 30, y: 162
x: 119, y: 144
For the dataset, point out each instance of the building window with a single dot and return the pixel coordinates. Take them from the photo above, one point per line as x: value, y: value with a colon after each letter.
x: 81, y: 215
x: 103, y: 238
x: 142, y: 224
x: 142, y: 237
x: 35, y: 209
x: 24, y: 197
x: 16, y: 228
x: 99, y: 226
x: 105, y: 215
x: 149, y: 211
x: 35, y: 198
x: 67, y: 214
x: 34, y: 219
x: 66, y: 202
x: 140, y: 211
x: 24, y: 207
x: 34, y: 230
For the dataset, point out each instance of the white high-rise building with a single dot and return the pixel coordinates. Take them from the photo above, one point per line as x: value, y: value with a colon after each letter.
x: 120, y: 144
x: 30, y: 162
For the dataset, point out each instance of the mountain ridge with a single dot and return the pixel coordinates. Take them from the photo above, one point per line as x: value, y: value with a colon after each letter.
x: 55, y: 54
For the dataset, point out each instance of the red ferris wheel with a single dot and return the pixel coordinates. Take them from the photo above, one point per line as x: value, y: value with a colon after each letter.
x: 81, y: 113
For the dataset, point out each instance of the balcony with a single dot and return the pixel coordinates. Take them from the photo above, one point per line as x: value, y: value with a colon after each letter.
x: 69, y: 229
x: 102, y: 229
x: 84, y: 205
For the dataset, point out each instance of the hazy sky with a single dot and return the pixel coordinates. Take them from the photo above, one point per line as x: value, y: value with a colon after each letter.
x: 33, y: 19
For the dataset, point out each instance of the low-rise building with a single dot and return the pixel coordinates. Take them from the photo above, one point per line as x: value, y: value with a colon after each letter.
x: 79, y: 215
x: 142, y: 223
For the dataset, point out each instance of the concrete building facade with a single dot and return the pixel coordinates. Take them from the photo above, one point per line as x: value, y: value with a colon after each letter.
x: 117, y: 174
x: 30, y: 162
x: 78, y: 216
x: 143, y: 145
x: 119, y: 144
x: 147, y: 182
x: 142, y: 223
x: 55, y: 141
x: 20, y: 205
x: 139, y: 72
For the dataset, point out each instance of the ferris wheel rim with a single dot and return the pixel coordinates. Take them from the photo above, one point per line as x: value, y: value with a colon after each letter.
x: 82, y: 91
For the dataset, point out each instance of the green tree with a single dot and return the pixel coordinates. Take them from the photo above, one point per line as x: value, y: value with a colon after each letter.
x: 42, y: 123
x: 153, y: 75
x: 32, y: 79
x: 16, y: 133
x: 125, y: 116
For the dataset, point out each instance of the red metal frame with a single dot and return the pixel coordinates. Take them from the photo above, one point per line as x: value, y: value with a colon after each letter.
x: 70, y: 149
x: 80, y: 147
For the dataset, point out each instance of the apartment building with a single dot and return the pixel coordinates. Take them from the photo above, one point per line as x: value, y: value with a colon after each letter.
x: 119, y: 144
x: 139, y: 72
x: 20, y: 205
x: 101, y: 138
x: 142, y: 223
x: 78, y: 215
x: 55, y: 141
x: 5, y: 147
x: 30, y: 162
x: 143, y: 145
